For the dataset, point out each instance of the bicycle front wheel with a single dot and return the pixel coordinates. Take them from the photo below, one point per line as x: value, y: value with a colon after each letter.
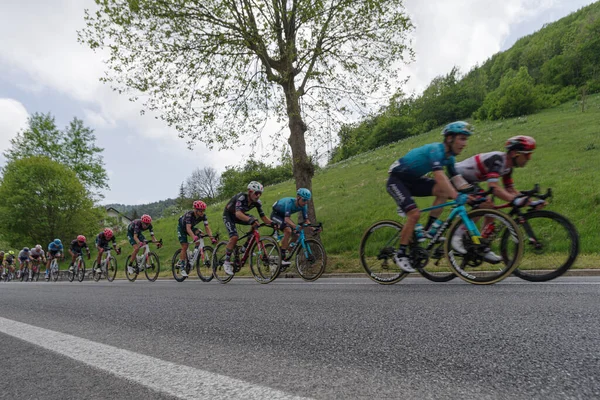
x: 96, y: 275
x: 81, y: 270
x: 265, y: 260
x: 217, y: 263
x: 152, y: 267
x: 551, y: 246
x: 378, y: 246
x: 111, y: 269
x: 489, y: 258
x: 175, y: 269
x: 311, y: 261
x: 204, y: 264
x: 70, y: 272
x: 54, y: 272
x: 131, y: 277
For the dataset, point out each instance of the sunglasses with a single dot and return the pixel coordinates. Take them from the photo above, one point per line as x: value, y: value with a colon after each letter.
x: 258, y: 193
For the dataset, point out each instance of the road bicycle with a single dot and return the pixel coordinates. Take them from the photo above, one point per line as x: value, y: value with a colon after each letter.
x: 200, y: 258
x: 54, y: 270
x: 551, y: 240
x: 310, y: 256
x: 77, y: 270
x: 485, y: 232
x: 263, y: 252
x: 108, y: 266
x: 147, y: 261
x: 24, y: 273
x: 7, y: 274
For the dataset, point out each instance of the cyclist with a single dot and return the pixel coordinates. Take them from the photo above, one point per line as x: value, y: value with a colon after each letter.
x: 54, y: 248
x: 186, y: 227
x: 24, y: 257
x: 2, y: 267
x: 406, y: 179
x: 76, y: 249
x: 490, y: 167
x: 9, y: 262
x: 281, y: 215
x: 103, y: 240
x: 137, y: 239
x: 38, y: 256
x: 236, y: 213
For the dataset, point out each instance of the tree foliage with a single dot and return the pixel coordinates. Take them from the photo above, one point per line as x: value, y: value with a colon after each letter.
x: 217, y: 70
x: 203, y: 184
x: 236, y: 179
x: 43, y: 199
x: 74, y: 147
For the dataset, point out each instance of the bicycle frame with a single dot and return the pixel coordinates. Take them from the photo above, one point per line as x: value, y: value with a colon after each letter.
x: 461, y: 211
x: 254, y: 238
x: 300, y: 242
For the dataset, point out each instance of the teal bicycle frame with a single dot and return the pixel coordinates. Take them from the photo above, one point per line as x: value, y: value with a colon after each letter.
x: 460, y: 211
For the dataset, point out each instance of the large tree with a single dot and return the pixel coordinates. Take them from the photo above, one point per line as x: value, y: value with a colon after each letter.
x: 203, y: 183
x: 74, y: 146
x: 217, y: 70
x: 42, y: 199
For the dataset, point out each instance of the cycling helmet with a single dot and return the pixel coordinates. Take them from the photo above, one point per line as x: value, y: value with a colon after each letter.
x: 523, y: 144
x: 1, y: 253
x: 26, y: 249
x: 57, y: 242
x: 108, y: 233
x: 146, y: 219
x: 38, y: 246
x: 199, y: 205
x: 255, y: 186
x: 11, y: 253
x: 304, y: 193
x: 81, y: 238
x: 458, y: 128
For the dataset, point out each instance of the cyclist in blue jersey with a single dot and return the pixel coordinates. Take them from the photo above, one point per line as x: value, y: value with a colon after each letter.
x: 281, y: 215
x: 236, y: 213
x: 406, y: 179
x: 54, y: 247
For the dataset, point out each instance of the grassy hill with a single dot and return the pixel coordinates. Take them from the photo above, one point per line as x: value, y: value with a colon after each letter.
x: 351, y: 195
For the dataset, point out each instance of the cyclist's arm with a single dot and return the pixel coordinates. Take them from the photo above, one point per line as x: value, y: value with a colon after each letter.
x: 506, y: 194
x: 444, y: 183
x: 266, y: 220
x: 188, y: 228
x: 208, y: 230
x: 243, y: 216
x: 290, y: 222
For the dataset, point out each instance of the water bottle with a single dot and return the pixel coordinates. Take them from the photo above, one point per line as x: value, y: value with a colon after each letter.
x: 434, y: 227
x: 243, y: 249
x: 419, y: 233
x: 292, y: 245
x: 190, y: 255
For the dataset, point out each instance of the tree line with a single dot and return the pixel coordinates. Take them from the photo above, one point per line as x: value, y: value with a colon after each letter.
x: 559, y: 63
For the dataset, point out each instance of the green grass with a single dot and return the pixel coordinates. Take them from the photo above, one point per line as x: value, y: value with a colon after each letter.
x: 349, y: 196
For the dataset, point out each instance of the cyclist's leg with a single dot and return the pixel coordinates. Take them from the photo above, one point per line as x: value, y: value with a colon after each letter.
x: 183, y: 241
x: 229, y: 221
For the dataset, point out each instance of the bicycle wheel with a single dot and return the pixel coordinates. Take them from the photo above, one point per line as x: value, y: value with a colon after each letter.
x: 80, y: 270
x: 96, y: 275
x: 493, y: 258
x: 111, y: 269
x: 217, y: 263
x: 551, y: 246
x: 311, y: 261
x: 54, y: 272
x: 265, y: 260
x: 133, y: 276
x: 204, y: 265
x: 152, y: 268
x: 437, y: 269
x: 175, y: 269
x: 35, y: 274
x: 70, y: 272
x: 377, y: 249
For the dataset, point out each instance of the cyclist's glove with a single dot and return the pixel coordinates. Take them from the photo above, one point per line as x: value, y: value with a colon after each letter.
x: 196, y: 238
x: 462, y: 199
x: 213, y: 240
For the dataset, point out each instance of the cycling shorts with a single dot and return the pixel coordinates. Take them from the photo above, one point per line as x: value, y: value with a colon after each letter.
x: 403, y: 187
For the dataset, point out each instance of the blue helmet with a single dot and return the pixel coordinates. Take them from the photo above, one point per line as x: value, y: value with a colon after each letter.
x: 304, y: 193
x: 458, y: 128
x: 57, y: 242
x: 26, y: 249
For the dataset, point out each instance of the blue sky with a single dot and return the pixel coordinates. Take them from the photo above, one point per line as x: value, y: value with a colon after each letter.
x: 44, y: 69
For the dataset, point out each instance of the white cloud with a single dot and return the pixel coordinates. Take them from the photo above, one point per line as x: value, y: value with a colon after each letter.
x: 13, y: 118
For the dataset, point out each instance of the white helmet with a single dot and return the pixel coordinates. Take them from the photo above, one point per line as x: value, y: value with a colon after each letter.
x: 38, y: 246
x: 255, y: 186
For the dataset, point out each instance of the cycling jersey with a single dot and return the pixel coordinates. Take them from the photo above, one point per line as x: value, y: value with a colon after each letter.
x: 10, y: 260
x: 288, y: 206
x: 191, y: 219
x: 77, y: 248
x: 241, y: 202
x: 422, y: 160
x: 35, y: 253
x: 486, y: 167
x: 103, y: 242
x: 135, y: 227
x: 24, y: 255
x: 55, y: 248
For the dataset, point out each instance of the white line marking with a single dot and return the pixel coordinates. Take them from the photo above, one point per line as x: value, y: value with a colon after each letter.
x: 173, y: 379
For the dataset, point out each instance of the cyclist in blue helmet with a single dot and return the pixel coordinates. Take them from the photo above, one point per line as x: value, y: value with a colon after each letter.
x: 407, y: 179
x: 282, y: 216
x: 55, y: 249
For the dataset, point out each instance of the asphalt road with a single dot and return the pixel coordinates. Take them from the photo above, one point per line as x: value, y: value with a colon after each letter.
x: 335, y: 338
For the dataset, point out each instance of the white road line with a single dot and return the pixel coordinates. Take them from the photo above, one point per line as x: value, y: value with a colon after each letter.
x: 162, y: 376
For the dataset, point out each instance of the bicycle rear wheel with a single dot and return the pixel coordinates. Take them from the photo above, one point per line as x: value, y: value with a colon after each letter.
x: 111, y: 269
x: 152, y: 267
x: 311, y: 262
x: 80, y: 270
x: 437, y: 269
x: 493, y: 258
x: 217, y: 263
x: 131, y: 277
x: 378, y: 246
x: 204, y: 265
x: 551, y: 246
x: 175, y: 269
x: 265, y: 260
x: 96, y: 275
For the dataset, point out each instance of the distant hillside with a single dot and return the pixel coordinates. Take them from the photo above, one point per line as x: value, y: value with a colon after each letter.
x: 157, y: 209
